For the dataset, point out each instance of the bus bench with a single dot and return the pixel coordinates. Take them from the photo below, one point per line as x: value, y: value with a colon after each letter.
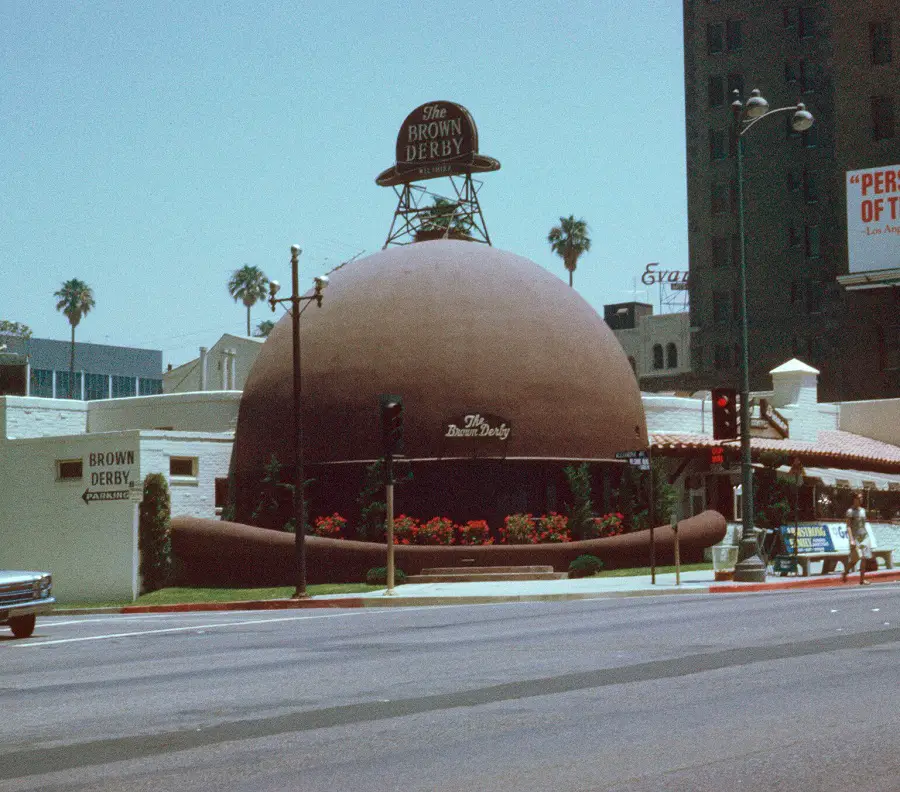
x: 825, y: 543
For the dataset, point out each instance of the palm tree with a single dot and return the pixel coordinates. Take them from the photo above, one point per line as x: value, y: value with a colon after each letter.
x: 248, y: 284
x: 75, y: 299
x: 443, y: 217
x: 569, y: 240
x: 264, y: 328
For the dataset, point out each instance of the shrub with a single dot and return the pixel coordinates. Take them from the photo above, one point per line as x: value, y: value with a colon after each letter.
x: 553, y: 527
x: 437, y: 531
x: 406, y: 530
x: 475, y: 532
x: 519, y: 529
x: 581, y: 523
x: 585, y: 566
x: 154, y: 539
x: 377, y: 576
x: 330, y: 527
x: 611, y: 524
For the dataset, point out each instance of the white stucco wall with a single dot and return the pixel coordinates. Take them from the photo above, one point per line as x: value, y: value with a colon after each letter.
x: 221, y: 373
x: 191, y: 495
x: 196, y: 412
x: 879, y: 420
x: 30, y: 416
x: 89, y: 548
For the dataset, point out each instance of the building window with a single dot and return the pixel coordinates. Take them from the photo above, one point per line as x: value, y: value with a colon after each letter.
x: 657, y: 356
x: 806, y: 76
x: 810, y: 188
x: 793, y: 181
x: 813, y: 297
x: 735, y: 250
x: 717, y: 148
x: 790, y: 72
x: 123, y: 387
x: 735, y: 83
x: 882, y: 117
x: 722, y: 357
x: 150, y: 387
x: 794, y: 237
x: 719, y: 251
x: 62, y: 385
x: 716, y: 90
x: 183, y: 467
x: 721, y: 313
x: 671, y: 356
x: 719, y: 198
x: 790, y: 18
x: 736, y: 303
x: 733, y: 35
x: 888, y: 347
x: 806, y: 22
x: 811, y: 233
x: 880, y: 33
x: 69, y: 469
x: 96, y: 386
x: 42, y: 383
x: 221, y: 493
x: 715, y: 37
x: 810, y: 138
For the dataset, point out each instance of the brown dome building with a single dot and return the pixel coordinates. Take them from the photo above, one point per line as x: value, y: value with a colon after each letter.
x: 455, y: 328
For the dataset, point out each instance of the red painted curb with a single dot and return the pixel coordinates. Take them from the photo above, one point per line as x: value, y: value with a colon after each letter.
x: 821, y: 581
x: 184, y: 607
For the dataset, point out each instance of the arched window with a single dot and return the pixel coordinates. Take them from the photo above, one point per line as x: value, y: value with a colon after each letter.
x: 657, y: 356
x: 671, y: 355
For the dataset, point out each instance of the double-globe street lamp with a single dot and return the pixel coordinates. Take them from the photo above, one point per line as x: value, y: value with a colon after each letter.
x: 299, y: 490
x: 750, y: 567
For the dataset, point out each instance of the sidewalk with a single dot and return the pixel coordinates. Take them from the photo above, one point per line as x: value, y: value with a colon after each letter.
x: 427, y: 594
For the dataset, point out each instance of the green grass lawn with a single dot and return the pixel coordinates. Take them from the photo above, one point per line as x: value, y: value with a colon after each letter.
x: 175, y: 595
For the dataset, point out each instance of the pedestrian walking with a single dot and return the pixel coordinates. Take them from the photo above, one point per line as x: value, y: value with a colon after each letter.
x: 860, y: 547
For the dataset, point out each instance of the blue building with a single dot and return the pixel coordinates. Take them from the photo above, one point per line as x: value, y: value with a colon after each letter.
x: 101, y: 371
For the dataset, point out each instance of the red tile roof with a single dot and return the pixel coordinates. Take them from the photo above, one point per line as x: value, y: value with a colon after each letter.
x: 834, y: 447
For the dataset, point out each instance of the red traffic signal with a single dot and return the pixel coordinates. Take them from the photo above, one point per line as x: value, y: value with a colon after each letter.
x: 724, y: 410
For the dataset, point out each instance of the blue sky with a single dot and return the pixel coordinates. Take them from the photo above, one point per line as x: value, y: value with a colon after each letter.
x: 152, y: 148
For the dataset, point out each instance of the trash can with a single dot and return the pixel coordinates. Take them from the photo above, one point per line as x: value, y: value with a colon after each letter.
x: 724, y: 558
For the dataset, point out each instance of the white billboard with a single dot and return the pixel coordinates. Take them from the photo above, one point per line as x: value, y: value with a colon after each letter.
x: 873, y: 219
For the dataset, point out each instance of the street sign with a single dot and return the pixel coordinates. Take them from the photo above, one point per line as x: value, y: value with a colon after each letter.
x: 105, y: 495
x: 639, y: 459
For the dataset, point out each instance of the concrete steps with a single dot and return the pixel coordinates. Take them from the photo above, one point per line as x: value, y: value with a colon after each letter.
x: 485, y: 574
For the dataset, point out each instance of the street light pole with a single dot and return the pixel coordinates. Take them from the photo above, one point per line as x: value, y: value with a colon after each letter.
x: 750, y: 567
x: 299, y: 492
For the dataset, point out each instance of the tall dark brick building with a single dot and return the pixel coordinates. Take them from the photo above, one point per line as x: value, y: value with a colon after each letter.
x: 842, y: 59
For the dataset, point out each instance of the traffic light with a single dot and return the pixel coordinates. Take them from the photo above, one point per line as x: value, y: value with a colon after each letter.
x: 391, y: 425
x: 724, y: 412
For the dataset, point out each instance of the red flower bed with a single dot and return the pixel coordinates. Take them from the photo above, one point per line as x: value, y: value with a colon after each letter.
x: 330, y: 527
x: 610, y: 524
x: 475, y: 532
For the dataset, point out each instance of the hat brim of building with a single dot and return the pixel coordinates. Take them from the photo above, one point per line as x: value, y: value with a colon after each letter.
x: 403, y: 173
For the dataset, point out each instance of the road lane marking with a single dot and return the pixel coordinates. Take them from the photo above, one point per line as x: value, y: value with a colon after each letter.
x: 135, y: 633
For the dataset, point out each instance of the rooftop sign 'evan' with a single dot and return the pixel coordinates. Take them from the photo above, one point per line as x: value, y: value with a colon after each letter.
x: 436, y: 139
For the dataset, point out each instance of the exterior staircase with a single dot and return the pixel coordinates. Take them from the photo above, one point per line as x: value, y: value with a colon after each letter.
x: 485, y: 574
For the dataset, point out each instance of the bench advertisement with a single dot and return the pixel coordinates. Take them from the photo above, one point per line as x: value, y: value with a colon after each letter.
x: 816, y: 538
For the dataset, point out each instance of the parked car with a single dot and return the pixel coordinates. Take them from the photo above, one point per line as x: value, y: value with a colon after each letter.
x: 23, y: 597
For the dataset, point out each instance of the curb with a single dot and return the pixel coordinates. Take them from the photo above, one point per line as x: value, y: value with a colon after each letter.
x: 383, y: 601
x: 820, y: 581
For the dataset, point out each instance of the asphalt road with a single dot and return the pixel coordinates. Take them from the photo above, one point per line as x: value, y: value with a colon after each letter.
x: 787, y: 691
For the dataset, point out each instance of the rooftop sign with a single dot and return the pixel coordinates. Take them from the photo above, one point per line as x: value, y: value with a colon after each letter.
x: 437, y: 139
x: 873, y: 219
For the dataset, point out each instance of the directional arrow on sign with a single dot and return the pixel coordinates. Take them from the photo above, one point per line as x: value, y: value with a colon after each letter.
x: 105, y: 495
